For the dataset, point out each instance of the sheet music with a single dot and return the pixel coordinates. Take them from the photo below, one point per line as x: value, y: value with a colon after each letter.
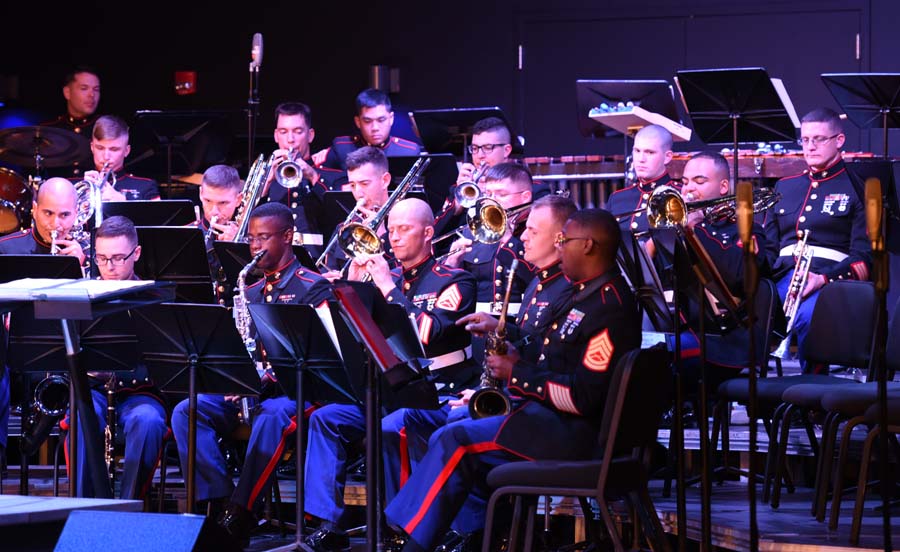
x: 325, y: 316
x: 29, y: 289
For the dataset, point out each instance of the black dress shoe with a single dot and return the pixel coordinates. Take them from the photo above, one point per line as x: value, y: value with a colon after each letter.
x: 461, y: 542
x: 237, y: 521
x: 326, y: 540
x: 394, y: 543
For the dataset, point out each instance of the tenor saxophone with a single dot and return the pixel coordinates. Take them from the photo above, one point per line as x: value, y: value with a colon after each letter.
x: 792, y: 299
x: 489, y: 399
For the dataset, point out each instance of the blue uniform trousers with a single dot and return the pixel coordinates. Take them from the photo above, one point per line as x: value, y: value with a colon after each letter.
x: 141, y: 422
x: 332, y: 431
x: 271, y: 425
x: 459, y: 458
x: 803, y: 318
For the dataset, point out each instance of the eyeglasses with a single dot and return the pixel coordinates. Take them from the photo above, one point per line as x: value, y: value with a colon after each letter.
x: 562, y: 239
x: 115, y: 260
x: 816, y: 140
x: 262, y: 238
x: 486, y: 148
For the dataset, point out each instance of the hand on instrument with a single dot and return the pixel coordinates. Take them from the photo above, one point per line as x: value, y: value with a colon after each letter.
x: 463, y: 399
x: 478, y: 323
x: 650, y: 248
x: 225, y: 232
x: 813, y: 283
x: 466, y: 170
x: 458, y: 248
x: 319, y: 157
x: 378, y: 268
x: 233, y: 398
x: 500, y: 366
x: 71, y: 248
x: 695, y: 217
x: 333, y: 275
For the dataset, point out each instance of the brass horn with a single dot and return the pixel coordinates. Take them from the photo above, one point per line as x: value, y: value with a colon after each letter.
x: 288, y: 174
x: 666, y: 207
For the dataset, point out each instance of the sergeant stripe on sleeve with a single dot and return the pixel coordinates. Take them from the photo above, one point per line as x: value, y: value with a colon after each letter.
x: 861, y: 270
x: 561, y: 397
x: 425, y: 323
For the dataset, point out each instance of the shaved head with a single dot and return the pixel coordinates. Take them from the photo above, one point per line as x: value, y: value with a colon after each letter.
x: 60, y: 188
x: 413, y: 209
x: 658, y: 134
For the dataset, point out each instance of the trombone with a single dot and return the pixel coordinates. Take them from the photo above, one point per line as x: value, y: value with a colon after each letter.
x: 667, y: 208
x: 487, y: 220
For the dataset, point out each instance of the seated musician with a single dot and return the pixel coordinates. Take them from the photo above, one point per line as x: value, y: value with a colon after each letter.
x: 81, y: 90
x: 284, y: 281
x: 139, y: 406
x: 110, y: 147
x: 547, y: 295
x: 368, y: 179
x: 563, y: 390
x: 651, y: 152
x: 706, y: 177
x: 827, y: 201
x: 491, y: 145
x: 437, y: 296
x: 53, y: 212
x: 511, y: 186
x: 374, y: 119
x: 293, y: 135
x: 220, y: 197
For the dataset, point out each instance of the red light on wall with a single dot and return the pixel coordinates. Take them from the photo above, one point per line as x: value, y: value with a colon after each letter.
x: 185, y: 82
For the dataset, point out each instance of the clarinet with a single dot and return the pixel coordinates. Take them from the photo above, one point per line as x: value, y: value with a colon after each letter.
x: 242, y: 320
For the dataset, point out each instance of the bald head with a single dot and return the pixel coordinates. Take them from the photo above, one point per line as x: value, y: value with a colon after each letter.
x: 410, y: 228
x: 59, y: 188
x: 651, y: 152
x: 658, y: 134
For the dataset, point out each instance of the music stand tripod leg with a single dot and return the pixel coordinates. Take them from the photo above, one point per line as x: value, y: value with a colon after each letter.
x: 300, y: 457
x: 192, y: 431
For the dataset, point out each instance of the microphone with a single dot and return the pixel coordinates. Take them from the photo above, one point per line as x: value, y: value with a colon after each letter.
x: 874, y: 212
x: 745, y: 212
x: 256, y: 52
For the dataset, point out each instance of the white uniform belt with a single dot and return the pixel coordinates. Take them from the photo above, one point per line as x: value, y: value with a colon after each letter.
x: 494, y: 308
x: 817, y: 251
x: 307, y: 239
x: 449, y: 359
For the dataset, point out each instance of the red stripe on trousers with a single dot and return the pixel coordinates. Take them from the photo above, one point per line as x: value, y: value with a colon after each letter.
x: 442, y: 478
x: 276, y: 457
x: 404, y: 457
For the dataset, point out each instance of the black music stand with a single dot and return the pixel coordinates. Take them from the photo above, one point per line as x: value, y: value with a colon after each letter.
x: 168, y: 212
x: 68, y: 301
x: 336, y: 207
x: 728, y: 106
x: 234, y: 256
x: 870, y: 100
x: 176, y: 254
x: 449, y: 130
x: 308, y: 367
x: 190, y: 348
x: 179, y: 142
x: 653, y: 95
x: 16, y: 267
x: 439, y: 176
x: 409, y: 380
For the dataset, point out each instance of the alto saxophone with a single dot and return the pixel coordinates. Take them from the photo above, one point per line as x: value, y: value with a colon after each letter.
x: 793, y: 297
x: 241, y: 314
x: 488, y: 399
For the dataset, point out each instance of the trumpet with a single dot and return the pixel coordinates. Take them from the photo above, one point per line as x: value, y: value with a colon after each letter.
x: 667, y: 208
x: 289, y: 174
x: 467, y: 192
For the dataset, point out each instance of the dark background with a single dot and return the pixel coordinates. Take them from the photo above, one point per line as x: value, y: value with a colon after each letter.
x: 449, y: 54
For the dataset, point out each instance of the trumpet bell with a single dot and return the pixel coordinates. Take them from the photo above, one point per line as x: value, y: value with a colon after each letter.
x: 356, y: 239
x: 666, y: 208
x: 487, y: 221
x: 289, y: 175
x: 467, y: 194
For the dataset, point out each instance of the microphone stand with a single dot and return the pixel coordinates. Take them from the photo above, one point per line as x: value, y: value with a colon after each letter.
x: 252, y: 109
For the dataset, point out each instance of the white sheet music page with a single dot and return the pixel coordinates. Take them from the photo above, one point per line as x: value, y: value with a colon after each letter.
x: 28, y: 289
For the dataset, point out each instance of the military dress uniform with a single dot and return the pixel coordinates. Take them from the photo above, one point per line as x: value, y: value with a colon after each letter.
x: 437, y: 296
x: 136, y: 187
x: 489, y: 263
x: 629, y: 204
x: 306, y: 203
x: 223, y: 291
x: 828, y: 204
x: 564, y: 394
x: 548, y: 295
x: 272, y: 423
x: 24, y: 242
x: 82, y: 126
x: 342, y: 146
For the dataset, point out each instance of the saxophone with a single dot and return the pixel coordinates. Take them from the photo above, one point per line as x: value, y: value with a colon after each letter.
x: 792, y: 299
x: 240, y: 312
x: 488, y: 399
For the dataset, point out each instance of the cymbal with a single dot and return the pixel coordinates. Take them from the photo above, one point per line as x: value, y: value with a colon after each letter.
x: 58, y: 147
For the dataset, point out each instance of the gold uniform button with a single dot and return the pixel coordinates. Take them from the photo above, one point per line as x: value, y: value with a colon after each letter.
x: 514, y: 380
x: 634, y: 225
x: 580, y: 287
x: 390, y: 298
x: 554, y: 326
x: 534, y: 300
x: 452, y: 385
x: 221, y: 289
x: 540, y: 389
x: 525, y: 318
x: 78, y: 130
x: 802, y: 219
x: 546, y: 340
x: 540, y: 287
x: 809, y: 208
x: 544, y: 274
x: 799, y: 234
x: 269, y: 287
x: 499, y: 269
x: 815, y: 184
x: 295, y: 194
x: 525, y: 385
x: 645, y: 196
x: 497, y: 296
x: 497, y: 282
x: 268, y: 298
x: 475, y: 260
x: 814, y: 196
x: 542, y: 357
x: 294, y: 205
x: 221, y: 301
x: 406, y: 286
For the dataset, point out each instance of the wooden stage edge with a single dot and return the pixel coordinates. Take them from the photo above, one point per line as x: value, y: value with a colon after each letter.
x: 790, y: 528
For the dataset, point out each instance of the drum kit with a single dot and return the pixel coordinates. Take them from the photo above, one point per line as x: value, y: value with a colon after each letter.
x: 34, y: 148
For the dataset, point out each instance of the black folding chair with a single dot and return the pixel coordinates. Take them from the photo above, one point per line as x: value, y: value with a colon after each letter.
x: 639, y: 393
